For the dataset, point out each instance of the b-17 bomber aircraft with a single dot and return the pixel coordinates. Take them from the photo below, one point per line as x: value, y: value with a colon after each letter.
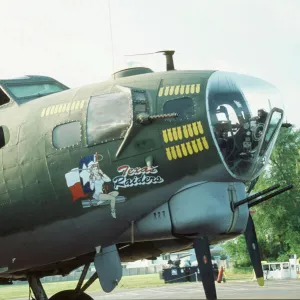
x: 140, y: 165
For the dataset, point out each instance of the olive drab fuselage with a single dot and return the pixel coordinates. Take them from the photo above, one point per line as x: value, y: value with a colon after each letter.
x: 78, y: 166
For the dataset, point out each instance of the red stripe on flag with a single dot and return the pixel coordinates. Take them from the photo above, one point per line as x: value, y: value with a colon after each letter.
x: 77, y: 191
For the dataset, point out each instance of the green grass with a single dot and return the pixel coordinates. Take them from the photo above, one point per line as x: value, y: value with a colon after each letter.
x: 246, y: 270
x: 236, y: 274
x: 128, y: 282
x: 22, y: 291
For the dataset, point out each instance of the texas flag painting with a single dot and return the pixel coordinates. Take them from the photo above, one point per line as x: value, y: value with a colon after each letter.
x: 88, y: 183
x: 78, y: 179
x: 86, y: 165
x: 74, y: 184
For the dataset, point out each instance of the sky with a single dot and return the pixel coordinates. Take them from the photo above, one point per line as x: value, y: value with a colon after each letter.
x: 72, y: 40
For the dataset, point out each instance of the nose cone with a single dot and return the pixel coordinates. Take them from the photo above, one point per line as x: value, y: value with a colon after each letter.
x: 245, y: 115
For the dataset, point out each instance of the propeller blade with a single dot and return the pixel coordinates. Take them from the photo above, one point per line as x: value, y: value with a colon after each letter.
x: 252, y: 246
x: 201, y: 246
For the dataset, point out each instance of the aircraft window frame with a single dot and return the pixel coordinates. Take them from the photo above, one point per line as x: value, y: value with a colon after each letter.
x: 93, y: 139
x: 136, y: 102
x: 2, y: 90
x: 79, y: 143
x: 263, y: 143
x: 180, y: 118
x: 4, y: 136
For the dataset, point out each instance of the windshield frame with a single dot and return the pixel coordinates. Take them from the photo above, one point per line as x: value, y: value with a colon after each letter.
x: 266, y: 129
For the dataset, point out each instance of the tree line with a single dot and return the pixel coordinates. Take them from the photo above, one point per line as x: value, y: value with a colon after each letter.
x: 277, y: 221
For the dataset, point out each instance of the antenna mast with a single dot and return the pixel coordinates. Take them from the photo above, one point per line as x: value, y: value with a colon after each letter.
x: 111, y: 38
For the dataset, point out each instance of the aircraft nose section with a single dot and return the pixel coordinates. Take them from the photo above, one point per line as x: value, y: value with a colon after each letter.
x: 245, y: 115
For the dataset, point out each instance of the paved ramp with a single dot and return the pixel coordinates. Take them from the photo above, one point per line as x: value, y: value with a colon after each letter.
x: 279, y: 289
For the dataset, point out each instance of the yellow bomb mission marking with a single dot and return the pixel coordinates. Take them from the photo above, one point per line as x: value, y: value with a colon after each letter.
x: 183, y: 89
x: 193, y: 130
x: 188, y: 148
x: 185, y: 131
x: 62, y: 108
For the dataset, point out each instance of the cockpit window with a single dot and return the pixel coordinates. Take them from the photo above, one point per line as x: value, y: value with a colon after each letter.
x: 109, y: 117
x: 245, y: 114
x: 36, y: 90
x: 184, y: 107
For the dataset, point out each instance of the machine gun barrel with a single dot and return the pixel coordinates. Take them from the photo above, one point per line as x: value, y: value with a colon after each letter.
x: 163, y: 116
x: 246, y: 200
x: 278, y: 192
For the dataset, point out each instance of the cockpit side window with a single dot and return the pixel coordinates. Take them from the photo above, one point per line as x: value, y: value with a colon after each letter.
x: 66, y: 135
x: 109, y: 117
x: 184, y: 107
